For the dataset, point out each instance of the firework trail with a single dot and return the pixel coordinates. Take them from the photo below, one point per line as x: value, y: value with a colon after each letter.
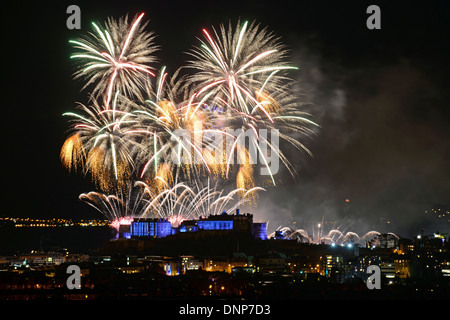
x: 333, y: 236
x: 115, y: 60
x: 243, y: 71
x: 116, y: 57
x: 135, y: 140
x: 166, y: 152
x: 238, y: 66
x: 176, y: 203
x: 182, y: 202
x: 127, y: 138
x: 120, y: 208
x: 102, y: 145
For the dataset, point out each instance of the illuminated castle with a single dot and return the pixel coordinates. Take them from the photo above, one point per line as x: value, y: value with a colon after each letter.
x: 160, y: 228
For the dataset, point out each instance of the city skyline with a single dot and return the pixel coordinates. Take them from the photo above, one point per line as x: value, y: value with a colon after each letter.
x: 228, y: 256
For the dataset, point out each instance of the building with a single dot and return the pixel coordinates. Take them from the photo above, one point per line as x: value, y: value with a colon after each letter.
x: 216, y: 224
x: 160, y: 228
x: 190, y: 263
x: 156, y: 228
x: 388, y: 269
x: 385, y: 240
x: 272, y: 263
x: 224, y: 221
x: 227, y: 264
x: 39, y: 259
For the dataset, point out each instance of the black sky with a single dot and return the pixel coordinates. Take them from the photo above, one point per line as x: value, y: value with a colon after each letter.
x: 380, y: 96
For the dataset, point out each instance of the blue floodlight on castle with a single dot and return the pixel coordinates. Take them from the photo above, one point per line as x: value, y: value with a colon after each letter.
x: 163, y: 228
x: 260, y: 230
x: 139, y: 229
x: 215, y: 225
x: 279, y: 235
x: 150, y: 228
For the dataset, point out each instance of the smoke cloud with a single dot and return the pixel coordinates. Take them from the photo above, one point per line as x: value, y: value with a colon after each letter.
x: 376, y: 163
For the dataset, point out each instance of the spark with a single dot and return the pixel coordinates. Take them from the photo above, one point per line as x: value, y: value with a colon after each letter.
x: 102, y: 66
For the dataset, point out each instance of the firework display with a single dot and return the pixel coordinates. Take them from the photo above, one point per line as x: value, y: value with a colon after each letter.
x: 175, y: 204
x: 332, y: 237
x: 117, y: 58
x: 243, y: 73
x: 220, y: 117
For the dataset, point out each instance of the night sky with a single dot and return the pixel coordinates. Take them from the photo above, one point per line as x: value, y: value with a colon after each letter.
x: 381, y: 98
